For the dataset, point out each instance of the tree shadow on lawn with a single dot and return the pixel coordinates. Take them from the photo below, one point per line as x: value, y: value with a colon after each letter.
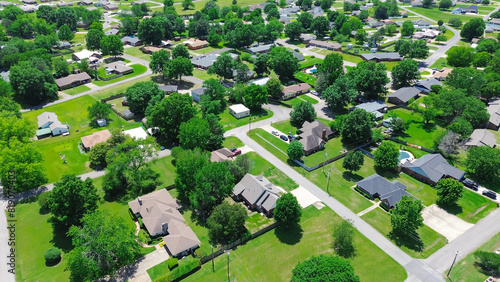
x: 428, y: 127
x: 60, y: 239
x: 289, y: 236
x: 451, y: 208
x: 485, y: 270
x: 411, y: 241
x: 388, y: 174
x: 350, y: 176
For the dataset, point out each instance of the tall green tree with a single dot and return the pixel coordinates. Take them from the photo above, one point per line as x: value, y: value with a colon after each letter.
x: 370, y: 78
x: 302, y: 112
x: 254, y: 96
x: 320, y: 25
x: 357, y: 126
x: 262, y: 65
x: 93, y: 39
x: 178, y: 67
x: 61, y: 68
x: 111, y: 45
x: 98, y: 110
x: 180, y: 51
x: 332, y: 66
x: 288, y: 211
x: 406, y: 217
x: 405, y: 73
x: 65, y: 33
x: 226, y: 223
x: 408, y: 28
x: 343, y: 236
x: 33, y: 85
x: 460, y: 56
x: 159, y: 61
x: 305, y: 19
x: 340, y: 94
x: 223, y: 67
x: 103, y: 244
x: 188, y: 163
x: 293, y: 30
x: 449, y: 190
x: 386, y: 156
x: 194, y: 134
x: 353, y: 161
x: 283, y: 63
x: 143, y: 95
x: 473, y: 28
x: 484, y: 162
x: 295, y: 150
x: 324, y: 268
x: 170, y: 112
x: 71, y: 199
x: 214, y: 97
x: 274, y: 88
x: 66, y: 15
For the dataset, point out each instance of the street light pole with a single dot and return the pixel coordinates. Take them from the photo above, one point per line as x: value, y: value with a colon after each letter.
x: 213, y: 267
x: 328, y: 183
x: 453, y: 263
x: 228, y: 267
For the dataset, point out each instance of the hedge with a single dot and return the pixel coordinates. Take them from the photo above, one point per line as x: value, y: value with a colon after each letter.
x: 186, y: 268
x: 172, y: 263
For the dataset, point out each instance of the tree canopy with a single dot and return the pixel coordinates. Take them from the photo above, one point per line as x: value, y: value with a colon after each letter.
x: 405, y: 74
x: 340, y: 93
x: 406, y: 217
x: 283, y: 63
x: 386, y: 156
x: 288, y: 211
x: 254, y: 96
x: 302, y: 112
x: 484, y: 162
x: 343, y: 236
x: 142, y: 96
x: 370, y: 78
x: 449, y: 190
x: 473, y: 28
x: 226, y: 223
x: 353, y: 161
x: 295, y: 150
x: 357, y: 126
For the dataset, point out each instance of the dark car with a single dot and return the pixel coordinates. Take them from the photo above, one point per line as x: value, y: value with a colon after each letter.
x: 471, y: 184
x: 283, y: 137
x: 291, y: 137
x: 232, y: 149
x: 490, y: 194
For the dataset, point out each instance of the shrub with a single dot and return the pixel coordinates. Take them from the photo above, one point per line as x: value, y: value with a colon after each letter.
x: 43, y: 201
x: 52, y: 255
x: 172, y: 263
x: 186, y: 267
x: 143, y: 236
x: 141, y: 223
x: 199, y: 253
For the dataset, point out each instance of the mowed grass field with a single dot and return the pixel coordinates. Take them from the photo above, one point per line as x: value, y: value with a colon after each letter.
x: 445, y: 16
x: 273, y: 255
x: 74, y: 113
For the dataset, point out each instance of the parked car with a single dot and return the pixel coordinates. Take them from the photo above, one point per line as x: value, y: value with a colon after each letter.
x: 236, y: 152
x: 314, y: 92
x: 471, y: 184
x: 275, y: 133
x: 291, y: 137
x: 232, y: 149
x: 283, y: 137
x: 490, y: 194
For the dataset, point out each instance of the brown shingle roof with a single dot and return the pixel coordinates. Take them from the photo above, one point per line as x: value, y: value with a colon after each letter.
x: 70, y: 79
x: 96, y: 138
x: 296, y: 88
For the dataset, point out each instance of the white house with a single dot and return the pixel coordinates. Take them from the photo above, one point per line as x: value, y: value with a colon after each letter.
x: 239, y: 111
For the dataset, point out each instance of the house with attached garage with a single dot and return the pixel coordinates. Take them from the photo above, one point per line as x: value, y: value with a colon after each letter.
x: 379, y: 57
x: 72, y: 80
x: 403, y: 95
x: 325, y: 45
x: 432, y: 168
x: 421, y: 23
x: 313, y: 136
x: 257, y: 193
x: 49, y: 120
x: 95, y: 138
x: 195, y: 44
x: 131, y: 40
x: 160, y: 215
x: 118, y: 67
x: 295, y: 90
x: 481, y: 137
x: 375, y: 107
x: 389, y: 193
x: 261, y: 49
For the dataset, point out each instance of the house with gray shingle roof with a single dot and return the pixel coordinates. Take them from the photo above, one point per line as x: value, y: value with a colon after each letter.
x: 257, y: 193
x: 481, y: 137
x: 375, y: 107
x: 389, y: 193
x: 403, y: 95
x: 431, y: 168
x: 260, y: 49
x: 494, y: 111
x: 197, y: 93
x: 425, y: 84
x: 313, y: 136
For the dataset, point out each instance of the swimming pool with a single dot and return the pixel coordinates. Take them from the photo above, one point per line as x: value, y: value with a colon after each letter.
x: 404, y: 155
x: 313, y: 70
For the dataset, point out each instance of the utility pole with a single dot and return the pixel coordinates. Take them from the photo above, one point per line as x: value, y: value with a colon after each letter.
x: 213, y: 266
x: 453, y: 263
x: 228, y: 267
x: 328, y: 183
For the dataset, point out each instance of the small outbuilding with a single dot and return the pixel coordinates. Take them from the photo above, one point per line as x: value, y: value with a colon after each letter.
x: 239, y: 111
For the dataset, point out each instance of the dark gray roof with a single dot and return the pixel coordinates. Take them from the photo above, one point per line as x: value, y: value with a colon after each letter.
x: 421, y: 22
x: 434, y: 167
x: 381, y: 56
x: 198, y: 91
x: 257, y: 190
x: 299, y: 56
x: 204, y: 61
x: 389, y: 192
x: 482, y: 137
x: 405, y: 94
x: 371, y: 107
x: 394, y: 197
x: 168, y: 88
x: 260, y: 48
x: 130, y: 39
x: 425, y: 84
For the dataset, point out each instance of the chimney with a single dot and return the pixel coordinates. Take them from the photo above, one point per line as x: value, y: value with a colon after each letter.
x: 140, y: 201
x: 259, y: 177
x: 323, y: 134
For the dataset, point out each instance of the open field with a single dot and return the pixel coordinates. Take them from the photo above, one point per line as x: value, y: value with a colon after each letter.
x: 428, y: 242
x: 437, y: 14
x: 466, y: 270
x: 292, y: 246
x: 138, y: 70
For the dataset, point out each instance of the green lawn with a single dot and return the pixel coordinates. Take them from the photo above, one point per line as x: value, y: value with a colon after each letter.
x: 418, y: 132
x: 437, y: 14
x: 166, y: 170
x: 117, y: 104
x: 390, y: 65
x: 136, y: 52
x: 440, y: 63
x: 228, y: 121
x: 333, y: 147
x: 308, y: 99
x: 79, y: 38
x: 100, y: 94
x: 76, y: 90
x: 206, y: 50
x: 466, y: 270
x: 310, y: 61
x: 304, y: 77
x: 428, y: 242
x: 272, y: 256
x: 74, y: 113
x: 232, y: 142
x: 260, y: 134
x: 203, y: 74
x: 284, y: 126
x: 259, y: 166
x: 138, y: 70
x: 347, y: 57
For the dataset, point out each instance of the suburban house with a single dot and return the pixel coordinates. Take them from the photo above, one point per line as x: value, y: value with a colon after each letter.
x: 306, y: 37
x: 92, y: 56
x: 416, y: 3
x: 150, y: 49
x: 112, y: 31
x: 257, y: 193
x: 49, y: 120
x: 494, y: 111
x: 299, y: 56
x: 197, y: 93
x: 379, y: 57
x: 221, y: 155
x: 97, y: 137
x: 64, y: 4
x: 27, y: 9
x: 325, y: 45
x: 239, y: 111
x: 195, y: 44
x: 374, y: 23
x: 110, y: 6
x: 294, y: 90
x: 375, y: 107
x: 204, y: 61
x: 168, y: 88
x: 118, y: 67
x: 132, y: 41
x: 29, y: 2
x: 441, y: 75
x: 425, y: 85
x: 387, y: 22
x: 313, y: 136
x: 85, y: 3
x: 481, y: 137
x: 471, y: 9
x: 260, y: 49
x: 428, y: 33
x: 431, y: 168
x: 160, y: 215
x: 421, y: 23
x: 389, y: 193
x: 403, y: 95
x: 72, y: 80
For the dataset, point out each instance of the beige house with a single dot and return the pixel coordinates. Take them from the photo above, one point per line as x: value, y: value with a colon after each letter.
x: 97, y: 137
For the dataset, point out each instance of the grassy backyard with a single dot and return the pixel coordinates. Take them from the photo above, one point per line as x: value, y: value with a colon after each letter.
x: 259, y: 166
x: 427, y: 242
x: 440, y: 64
x: 228, y: 121
x: 136, y: 52
x: 301, y: 98
x: 284, y: 249
x: 74, y: 113
x: 467, y: 270
x: 232, y: 142
x: 76, y: 90
x: 138, y: 70
x: 347, y: 57
x: 203, y: 74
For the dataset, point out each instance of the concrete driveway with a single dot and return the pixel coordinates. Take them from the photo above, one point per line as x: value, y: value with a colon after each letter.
x: 446, y: 224
x: 304, y: 197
